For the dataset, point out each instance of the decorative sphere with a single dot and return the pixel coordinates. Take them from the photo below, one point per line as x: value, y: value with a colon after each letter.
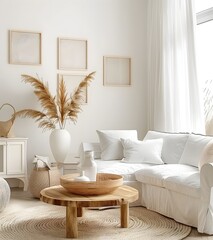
x: 4, y: 194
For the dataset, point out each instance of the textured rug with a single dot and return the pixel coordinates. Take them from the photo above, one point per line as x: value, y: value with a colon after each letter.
x: 48, y: 222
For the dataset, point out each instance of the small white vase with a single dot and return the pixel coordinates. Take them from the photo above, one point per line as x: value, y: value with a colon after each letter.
x: 89, y: 166
x: 60, y: 141
x: 82, y: 178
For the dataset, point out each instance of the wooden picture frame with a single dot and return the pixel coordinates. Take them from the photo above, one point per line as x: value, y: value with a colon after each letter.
x: 72, y: 54
x: 117, y: 71
x: 72, y: 81
x: 25, y: 47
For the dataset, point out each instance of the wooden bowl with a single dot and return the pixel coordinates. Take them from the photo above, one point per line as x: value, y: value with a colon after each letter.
x: 105, y: 183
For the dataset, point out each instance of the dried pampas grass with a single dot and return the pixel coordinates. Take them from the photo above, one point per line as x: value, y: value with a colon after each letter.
x: 56, y: 111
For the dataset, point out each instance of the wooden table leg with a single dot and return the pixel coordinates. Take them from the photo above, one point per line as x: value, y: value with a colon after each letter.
x: 71, y: 222
x: 124, y: 214
x: 80, y: 211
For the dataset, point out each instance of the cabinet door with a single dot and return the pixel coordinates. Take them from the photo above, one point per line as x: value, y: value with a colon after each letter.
x: 2, y: 158
x: 15, y: 157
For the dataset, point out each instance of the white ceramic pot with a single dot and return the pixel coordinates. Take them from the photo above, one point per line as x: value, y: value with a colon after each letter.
x: 60, y: 142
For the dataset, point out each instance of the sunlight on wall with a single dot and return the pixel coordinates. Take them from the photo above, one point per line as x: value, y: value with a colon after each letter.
x: 202, y: 5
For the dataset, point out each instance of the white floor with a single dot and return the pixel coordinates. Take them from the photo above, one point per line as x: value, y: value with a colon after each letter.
x: 22, y: 200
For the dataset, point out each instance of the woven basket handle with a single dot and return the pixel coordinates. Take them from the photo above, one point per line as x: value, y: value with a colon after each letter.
x: 14, y: 111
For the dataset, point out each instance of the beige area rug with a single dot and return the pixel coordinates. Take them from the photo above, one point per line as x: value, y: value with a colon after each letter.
x: 48, y: 222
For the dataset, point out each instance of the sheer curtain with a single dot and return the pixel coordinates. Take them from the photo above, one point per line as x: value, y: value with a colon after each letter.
x: 174, y: 102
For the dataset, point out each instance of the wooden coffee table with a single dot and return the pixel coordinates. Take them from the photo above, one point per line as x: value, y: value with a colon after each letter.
x: 57, y: 195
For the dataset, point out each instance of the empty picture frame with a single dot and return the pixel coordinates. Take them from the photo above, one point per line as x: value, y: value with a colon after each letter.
x: 117, y: 71
x: 71, y: 82
x: 24, y: 47
x: 72, y: 54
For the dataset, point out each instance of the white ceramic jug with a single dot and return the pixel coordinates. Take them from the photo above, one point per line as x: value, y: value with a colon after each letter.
x: 89, y: 166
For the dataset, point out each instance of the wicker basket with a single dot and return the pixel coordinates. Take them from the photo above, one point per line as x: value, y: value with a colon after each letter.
x: 41, y: 178
x: 6, y: 126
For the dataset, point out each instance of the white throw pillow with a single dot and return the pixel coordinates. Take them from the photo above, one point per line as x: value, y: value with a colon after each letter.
x: 110, y: 143
x: 148, y: 151
x: 173, y: 144
x: 207, y: 155
x: 194, y: 149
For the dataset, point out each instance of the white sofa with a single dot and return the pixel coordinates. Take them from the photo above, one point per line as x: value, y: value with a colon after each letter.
x: 172, y: 171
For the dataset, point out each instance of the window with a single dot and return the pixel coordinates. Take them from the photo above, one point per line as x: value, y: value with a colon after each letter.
x: 201, y: 5
x: 204, y: 34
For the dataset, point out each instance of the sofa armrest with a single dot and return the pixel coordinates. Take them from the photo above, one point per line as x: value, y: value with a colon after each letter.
x: 206, y: 179
x: 90, y: 146
x: 205, y: 214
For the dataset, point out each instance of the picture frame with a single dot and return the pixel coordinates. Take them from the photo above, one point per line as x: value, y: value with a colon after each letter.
x: 71, y: 82
x: 117, y: 71
x: 72, y: 54
x: 25, y: 47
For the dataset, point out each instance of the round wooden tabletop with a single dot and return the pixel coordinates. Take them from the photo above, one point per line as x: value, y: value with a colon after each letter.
x: 57, y: 195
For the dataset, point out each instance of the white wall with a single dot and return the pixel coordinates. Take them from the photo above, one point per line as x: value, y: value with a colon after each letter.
x: 112, y: 27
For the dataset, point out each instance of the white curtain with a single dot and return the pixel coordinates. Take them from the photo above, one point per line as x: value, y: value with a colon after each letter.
x: 174, y: 102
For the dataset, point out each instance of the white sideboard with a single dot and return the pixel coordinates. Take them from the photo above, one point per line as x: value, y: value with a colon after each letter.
x: 13, y: 159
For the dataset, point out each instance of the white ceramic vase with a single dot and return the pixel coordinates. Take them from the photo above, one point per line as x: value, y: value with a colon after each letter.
x: 89, y: 166
x: 60, y: 141
x: 82, y: 178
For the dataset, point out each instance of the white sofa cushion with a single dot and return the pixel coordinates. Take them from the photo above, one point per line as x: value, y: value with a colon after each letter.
x: 156, y: 175
x: 148, y: 151
x: 194, y: 149
x: 110, y: 143
x: 186, y: 183
x: 101, y: 165
x: 124, y: 169
x: 173, y: 145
